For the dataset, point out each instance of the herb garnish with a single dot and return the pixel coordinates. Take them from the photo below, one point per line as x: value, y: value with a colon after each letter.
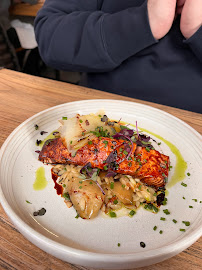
x: 187, y: 223
x: 166, y: 212
x: 132, y: 213
x: 183, y: 184
x: 112, y: 214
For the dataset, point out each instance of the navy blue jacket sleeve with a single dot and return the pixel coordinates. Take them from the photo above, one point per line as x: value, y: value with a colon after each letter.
x: 76, y: 35
x: 195, y: 43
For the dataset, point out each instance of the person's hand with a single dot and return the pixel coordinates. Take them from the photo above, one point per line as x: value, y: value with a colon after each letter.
x: 161, y: 15
x: 191, y: 16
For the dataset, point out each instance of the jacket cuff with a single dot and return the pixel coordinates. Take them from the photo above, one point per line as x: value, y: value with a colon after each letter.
x: 127, y: 32
x: 195, y: 43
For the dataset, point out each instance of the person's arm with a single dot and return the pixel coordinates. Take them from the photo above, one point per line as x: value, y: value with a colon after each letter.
x: 76, y: 35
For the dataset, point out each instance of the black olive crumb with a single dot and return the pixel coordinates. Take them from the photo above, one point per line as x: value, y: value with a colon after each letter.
x: 40, y: 212
x: 142, y: 244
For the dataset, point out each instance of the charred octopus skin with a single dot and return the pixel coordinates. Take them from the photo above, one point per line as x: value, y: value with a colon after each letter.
x: 111, y: 154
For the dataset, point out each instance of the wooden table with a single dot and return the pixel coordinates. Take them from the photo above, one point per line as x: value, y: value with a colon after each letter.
x: 22, y: 96
x: 25, y: 9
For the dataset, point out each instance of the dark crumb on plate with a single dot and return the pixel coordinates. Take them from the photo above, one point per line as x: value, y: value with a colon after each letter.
x: 43, y: 132
x: 38, y: 142
x: 142, y: 244
x: 40, y: 212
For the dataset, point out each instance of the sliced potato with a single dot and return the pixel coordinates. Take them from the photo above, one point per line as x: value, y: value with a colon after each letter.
x: 124, y: 195
x: 86, y: 197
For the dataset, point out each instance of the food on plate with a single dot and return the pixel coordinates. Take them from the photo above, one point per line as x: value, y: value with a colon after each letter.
x: 102, y: 164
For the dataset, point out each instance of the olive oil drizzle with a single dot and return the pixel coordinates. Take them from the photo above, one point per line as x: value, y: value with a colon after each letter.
x: 40, y: 181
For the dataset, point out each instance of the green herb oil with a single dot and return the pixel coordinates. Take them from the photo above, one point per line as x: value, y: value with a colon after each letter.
x: 40, y: 181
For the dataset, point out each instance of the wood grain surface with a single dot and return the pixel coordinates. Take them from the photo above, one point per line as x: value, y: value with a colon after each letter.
x: 25, y: 9
x: 22, y: 96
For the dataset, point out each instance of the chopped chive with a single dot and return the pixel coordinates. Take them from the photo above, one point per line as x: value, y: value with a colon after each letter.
x: 80, y: 182
x: 112, y: 214
x: 159, y: 143
x: 81, y: 121
x: 148, y: 149
x: 145, y: 160
x: 106, y: 143
x: 188, y: 174
x: 70, y: 142
x: 112, y: 185
x: 183, y: 198
x: 28, y: 202
x: 139, y: 187
x: 118, y: 244
x: 182, y: 230
x: 194, y: 200
x: 90, y: 142
x: 66, y: 196
x: 132, y: 213
x: 115, y: 201
x: 187, y: 223
x: 83, y: 133
x: 155, y: 209
x: 155, y: 228
x: 200, y: 201
x: 105, y: 168
x: 77, y: 216
x: 155, y: 194
x: 170, y: 167
x: 123, y: 186
x: 160, y: 231
x: 64, y: 118
x: 130, y: 164
x: 91, y: 183
x: 36, y: 127
x: 175, y: 221
x: 162, y: 218
x: 80, y: 187
x: 125, y: 152
x: 183, y: 184
x: 148, y: 190
x: 64, y: 185
x: 100, y: 115
x: 121, y: 149
x: 190, y: 206
x: 166, y: 212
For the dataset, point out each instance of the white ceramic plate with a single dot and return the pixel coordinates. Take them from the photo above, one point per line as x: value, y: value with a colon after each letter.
x: 93, y: 243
